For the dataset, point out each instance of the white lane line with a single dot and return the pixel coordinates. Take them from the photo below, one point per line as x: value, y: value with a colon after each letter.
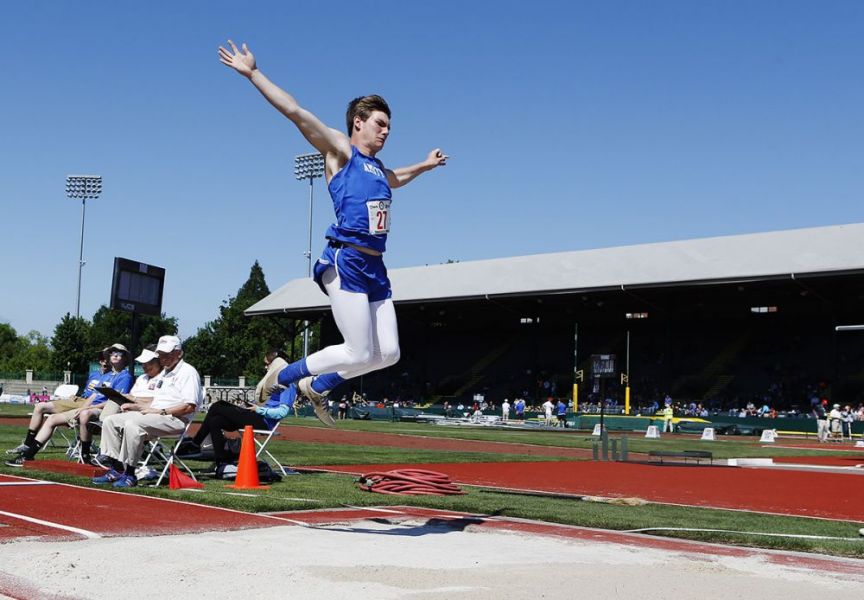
x: 10, y: 483
x: 84, y: 532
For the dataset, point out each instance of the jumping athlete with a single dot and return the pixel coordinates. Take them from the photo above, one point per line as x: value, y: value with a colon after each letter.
x: 351, y: 269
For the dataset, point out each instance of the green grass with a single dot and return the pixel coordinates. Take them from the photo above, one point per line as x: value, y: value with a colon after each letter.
x: 322, y: 490
x: 725, y: 447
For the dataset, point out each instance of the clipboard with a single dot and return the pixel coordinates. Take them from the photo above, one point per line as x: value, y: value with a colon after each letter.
x: 112, y: 394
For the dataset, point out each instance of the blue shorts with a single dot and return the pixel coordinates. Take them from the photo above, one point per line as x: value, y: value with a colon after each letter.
x: 358, y: 272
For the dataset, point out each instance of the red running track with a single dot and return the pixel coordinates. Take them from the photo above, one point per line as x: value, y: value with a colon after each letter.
x: 104, y: 513
x: 800, y: 493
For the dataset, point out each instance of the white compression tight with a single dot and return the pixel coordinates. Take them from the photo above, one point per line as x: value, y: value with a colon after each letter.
x: 369, y: 329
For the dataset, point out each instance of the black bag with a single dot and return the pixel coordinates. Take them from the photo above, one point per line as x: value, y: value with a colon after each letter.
x: 266, y: 474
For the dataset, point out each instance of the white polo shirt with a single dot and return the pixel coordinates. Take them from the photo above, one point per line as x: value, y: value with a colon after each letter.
x: 145, y: 386
x: 180, y: 385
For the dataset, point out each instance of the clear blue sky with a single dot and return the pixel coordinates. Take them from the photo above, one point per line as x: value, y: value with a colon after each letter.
x: 570, y: 124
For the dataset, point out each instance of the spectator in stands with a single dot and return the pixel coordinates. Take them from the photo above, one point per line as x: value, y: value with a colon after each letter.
x: 270, y: 406
x: 848, y: 418
x: 519, y: 408
x: 668, y: 415
x: 835, y: 422
x: 178, y: 395
x: 819, y: 412
x: 75, y: 412
x: 561, y: 412
x: 548, y: 407
x: 343, y: 408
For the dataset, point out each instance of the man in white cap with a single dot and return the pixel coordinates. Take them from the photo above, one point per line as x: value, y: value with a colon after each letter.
x: 178, y: 395
x: 142, y: 392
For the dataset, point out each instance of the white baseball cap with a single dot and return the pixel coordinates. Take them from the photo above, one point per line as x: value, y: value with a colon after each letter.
x: 168, y: 343
x: 146, y: 356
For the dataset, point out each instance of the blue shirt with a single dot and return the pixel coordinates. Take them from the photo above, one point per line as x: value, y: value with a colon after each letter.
x: 122, y: 382
x: 94, y: 379
x: 361, y: 198
x: 278, y: 406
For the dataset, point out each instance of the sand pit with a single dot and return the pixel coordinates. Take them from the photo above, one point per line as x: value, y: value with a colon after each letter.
x: 383, y: 560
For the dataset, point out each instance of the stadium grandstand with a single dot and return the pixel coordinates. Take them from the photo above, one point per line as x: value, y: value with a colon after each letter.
x: 723, y: 321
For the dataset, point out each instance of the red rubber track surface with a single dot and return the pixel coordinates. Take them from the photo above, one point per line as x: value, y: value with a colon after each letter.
x: 800, y: 493
x: 108, y: 513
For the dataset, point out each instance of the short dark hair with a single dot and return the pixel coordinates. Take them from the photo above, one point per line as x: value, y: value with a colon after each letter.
x: 362, y: 107
x: 273, y: 353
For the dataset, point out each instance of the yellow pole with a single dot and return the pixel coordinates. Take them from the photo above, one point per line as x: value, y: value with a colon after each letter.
x: 627, y: 400
x: 575, y: 398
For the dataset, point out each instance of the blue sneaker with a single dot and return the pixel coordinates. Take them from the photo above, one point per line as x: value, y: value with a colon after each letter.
x: 126, y: 481
x: 110, y: 477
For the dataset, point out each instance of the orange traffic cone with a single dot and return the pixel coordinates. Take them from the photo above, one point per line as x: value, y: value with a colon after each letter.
x: 247, y: 468
x: 178, y: 480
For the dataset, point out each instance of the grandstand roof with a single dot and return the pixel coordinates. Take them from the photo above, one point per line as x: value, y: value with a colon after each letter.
x: 835, y: 249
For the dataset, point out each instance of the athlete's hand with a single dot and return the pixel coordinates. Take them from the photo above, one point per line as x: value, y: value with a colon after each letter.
x: 436, y: 158
x: 242, y: 61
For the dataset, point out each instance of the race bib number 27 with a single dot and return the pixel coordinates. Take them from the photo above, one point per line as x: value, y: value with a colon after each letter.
x: 379, y: 216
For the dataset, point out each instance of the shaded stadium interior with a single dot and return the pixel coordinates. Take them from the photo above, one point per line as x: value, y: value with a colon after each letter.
x: 724, y: 343
x: 723, y: 320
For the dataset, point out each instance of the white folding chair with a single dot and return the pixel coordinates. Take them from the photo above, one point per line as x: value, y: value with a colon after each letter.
x: 74, y: 451
x: 64, y: 391
x: 67, y: 390
x: 157, y: 451
x: 268, y: 434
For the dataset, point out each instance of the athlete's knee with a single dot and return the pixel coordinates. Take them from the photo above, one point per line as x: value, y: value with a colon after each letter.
x: 358, y: 357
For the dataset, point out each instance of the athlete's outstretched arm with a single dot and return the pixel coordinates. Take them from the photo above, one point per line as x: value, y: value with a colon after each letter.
x: 327, y: 141
x: 401, y: 176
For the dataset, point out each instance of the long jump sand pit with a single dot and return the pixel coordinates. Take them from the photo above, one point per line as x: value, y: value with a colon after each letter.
x: 416, y: 558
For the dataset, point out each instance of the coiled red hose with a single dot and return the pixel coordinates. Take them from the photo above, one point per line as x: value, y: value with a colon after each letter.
x: 409, y: 482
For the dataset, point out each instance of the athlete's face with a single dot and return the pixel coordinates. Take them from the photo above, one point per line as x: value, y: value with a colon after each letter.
x: 374, y: 130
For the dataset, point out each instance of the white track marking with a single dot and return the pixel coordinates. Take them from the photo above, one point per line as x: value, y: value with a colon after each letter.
x: 88, y: 534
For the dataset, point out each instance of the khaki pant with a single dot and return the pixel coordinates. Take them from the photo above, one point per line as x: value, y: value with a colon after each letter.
x: 73, y: 403
x: 111, y: 408
x: 124, y: 434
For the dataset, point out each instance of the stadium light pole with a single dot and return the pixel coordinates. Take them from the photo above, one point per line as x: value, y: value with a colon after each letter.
x: 84, y: 187
x: 308, y: 166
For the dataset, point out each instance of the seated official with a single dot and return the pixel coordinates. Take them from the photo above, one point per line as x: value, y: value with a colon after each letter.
x: 225, y: 416
x: 142, y: 392
x: 178, y: 395
x: 42, y: 409
x: 117, y: 378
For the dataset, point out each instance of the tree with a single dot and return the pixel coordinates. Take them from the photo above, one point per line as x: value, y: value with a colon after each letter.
x: 233, y: 343
x: 71, y: 343
x: 33, y: 352
x: 115, y: 326
x: 9, y: 343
